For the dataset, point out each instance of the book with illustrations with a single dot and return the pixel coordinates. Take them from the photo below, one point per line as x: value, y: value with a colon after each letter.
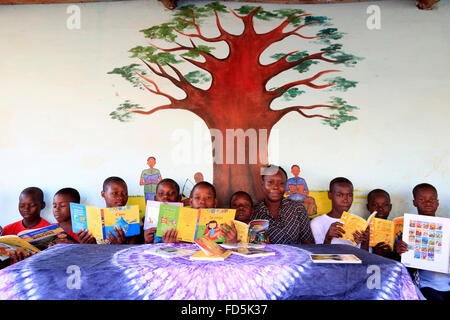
x: 169, y: 252
x: 334, y: 258
x: 101, y: 221
x: 152, y: 212
x: 192, y: 223
x: 352, y: 223
x: 382, y: 230
x: 44, y: 237
x: 15, y: 243
x: 210, y: 250
x: 428, y: 240
x: 257, y: 232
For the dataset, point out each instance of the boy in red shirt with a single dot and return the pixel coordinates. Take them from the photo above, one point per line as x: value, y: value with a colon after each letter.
x: 61, y: 211
x: 31, y: 202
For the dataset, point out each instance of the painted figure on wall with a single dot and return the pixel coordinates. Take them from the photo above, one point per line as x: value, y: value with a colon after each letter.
x: 149, y: 179
x: 198, y: 177
x: 238, y: 97
x: 297, y: 189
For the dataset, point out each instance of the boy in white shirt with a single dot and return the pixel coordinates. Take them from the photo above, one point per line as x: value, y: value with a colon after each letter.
x: 326, y: 228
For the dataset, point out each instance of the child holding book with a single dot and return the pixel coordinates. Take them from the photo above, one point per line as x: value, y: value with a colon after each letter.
x: 115, y: 193
x: 243, y: 204
x: 167, y: 190
x: 433, y: 285
x: 61, y: 211
x: 203, y: 196
x: 326, y: 228
x: 379, y: 200
x: 31, y: 202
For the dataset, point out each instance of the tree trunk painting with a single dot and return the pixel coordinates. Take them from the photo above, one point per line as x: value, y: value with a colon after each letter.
x: 238, y: 102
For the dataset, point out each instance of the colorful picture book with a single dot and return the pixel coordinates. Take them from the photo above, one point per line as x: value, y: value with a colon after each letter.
x: 242, y: 231
x: 152, y: 212
x: 257, y: 231
x: 334, y: 258
x: 42, y: 238
x: 200, y: 255
x: 352, y: 223
x: 169, y: 252
x: 428, y: 240
x: 101, y: 221
x: 192, y: 223
x: 382, y: 230
x: 15, y: 243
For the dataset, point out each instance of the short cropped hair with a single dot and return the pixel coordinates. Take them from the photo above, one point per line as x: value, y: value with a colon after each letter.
x: 270, y: 170
x: 423, y: 186
x: 295, y: 165
x: 339, y: 180
x: 169, y: 181
x: 110, y: 180
x: 204, y: 184
x: 241, y: 193
x: 375, y: 191
x: 151, y: 158
x: 33, y: 191
x: 71, y: 192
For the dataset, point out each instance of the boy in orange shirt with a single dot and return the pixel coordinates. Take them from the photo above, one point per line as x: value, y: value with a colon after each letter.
x: 31, y: 202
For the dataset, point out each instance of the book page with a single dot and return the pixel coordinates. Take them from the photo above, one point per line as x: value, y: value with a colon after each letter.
x: 167, y: 218
x: 351, y: 224
x: 152, y: 212
x: 94, y: 222
x: 187, y: 224
x: 381, y: 230
x: 428, y: 240
x: 242, y: 231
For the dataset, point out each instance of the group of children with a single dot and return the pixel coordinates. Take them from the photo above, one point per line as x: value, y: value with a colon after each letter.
x: 284, y: 213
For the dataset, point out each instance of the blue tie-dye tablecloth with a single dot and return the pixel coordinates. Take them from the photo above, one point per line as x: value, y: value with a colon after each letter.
x: 76, y: 271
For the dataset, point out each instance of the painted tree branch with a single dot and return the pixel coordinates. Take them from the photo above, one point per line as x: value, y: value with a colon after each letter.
x: 281, y: 113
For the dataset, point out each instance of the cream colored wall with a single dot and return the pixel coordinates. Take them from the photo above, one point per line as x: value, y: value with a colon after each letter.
x: 56, y: 96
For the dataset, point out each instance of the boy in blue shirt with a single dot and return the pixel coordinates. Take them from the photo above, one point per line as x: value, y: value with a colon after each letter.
x: 433, y: 285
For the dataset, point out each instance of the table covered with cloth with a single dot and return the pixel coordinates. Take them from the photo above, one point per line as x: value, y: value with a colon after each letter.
x: 85, y: 271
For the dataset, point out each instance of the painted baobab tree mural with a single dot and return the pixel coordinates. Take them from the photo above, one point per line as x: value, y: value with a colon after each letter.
x: 237, y: 96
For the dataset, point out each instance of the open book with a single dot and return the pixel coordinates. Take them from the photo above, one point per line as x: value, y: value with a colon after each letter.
x: 15, y: 243
x: 192, y: 223
x: 152, y: 212
x: 44, y: 237
x: 101, y: 221
x: 382, y: 230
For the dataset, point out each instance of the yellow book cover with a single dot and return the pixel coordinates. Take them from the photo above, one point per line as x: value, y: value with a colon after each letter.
x: 351, y: 224
x: 381, y: 230
x: 398, y: 228
x: 242, y: 231
x: 200, y: 255
x: 183, y: 219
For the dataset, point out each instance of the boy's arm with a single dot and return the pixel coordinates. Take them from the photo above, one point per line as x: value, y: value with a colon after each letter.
x: 335, y: 231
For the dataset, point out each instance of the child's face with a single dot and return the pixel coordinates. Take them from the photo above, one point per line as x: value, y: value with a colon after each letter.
x: 274, y: 186
x: 30, y: 207
x: 380, y: 203
x: 243, y: 206
x: 61, y: 207
x: 151, y: 162
x: 426, y: 202
x: 341, y: 197
x: 167, y: 193
x: 203, y: 197
x: 116, y: 195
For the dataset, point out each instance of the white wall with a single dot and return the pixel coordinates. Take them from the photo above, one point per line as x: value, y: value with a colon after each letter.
x: 56, y: 96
